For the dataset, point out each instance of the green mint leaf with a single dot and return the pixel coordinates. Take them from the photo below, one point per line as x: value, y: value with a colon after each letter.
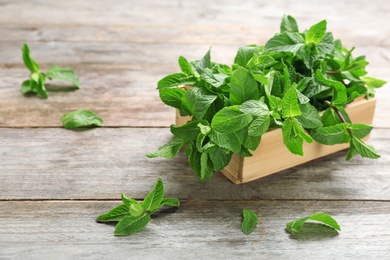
x: 127, y: 201
x: 172, y: 96
x: 323, y: 218
x: 316, y: 33
x: 259, y: 125
x: 254, y: 108
x: 169, y: 150
x: 339, y: 90
x: 310, y: 117
x: 326, y: 45
x: 230, y: 119
x: 329, y: 117
x: 215, y: 80
x: 249, y: 221
x: 293, y: 136
x: 153, y: 200
x: 65, y: 74
x: 185, y: 66
x: 130, y: 224
x: 186, y: 132
x: 288, y: 24
x: 252, y: 142
x: 290, y: 106
x: 202, y: 64
x: 360, y: 130
x: 206, y: 167
x: 81, y: 118
x: 170, y: 202
x: 174, y: 80
x: 197, y: 101
x: 302, y: 98
x: 136, y: 209
x: 35, y: 85
x: 364, y: 149
x: 245, y: 54
x: 115, y: 214
x: 193, y: 156
x: 372, y: 84
x: 330, y: 135
x: 351, y: 151
x: 285, y: 42
x: 229, y: 141
x: 220, y: 158
x: 29, y: 62
x: 259, y: 62
x: 242, y: 86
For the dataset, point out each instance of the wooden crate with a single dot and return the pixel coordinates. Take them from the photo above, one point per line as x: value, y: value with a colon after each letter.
x: 272, y: 155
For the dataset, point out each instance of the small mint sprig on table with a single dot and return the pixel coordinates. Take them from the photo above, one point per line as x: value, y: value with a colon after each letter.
x: 133, y: 216
x: 319, y: 217
x: 81, y: 119
x: 37, y: 81
x: 249, y: 221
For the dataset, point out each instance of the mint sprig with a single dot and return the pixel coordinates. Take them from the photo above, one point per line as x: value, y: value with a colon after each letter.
x: 80, y: 119
x: 133, y: 216
x: 249, y: 221
x: 298, y: 81
x: 37, y: 81
x: 319, y: 217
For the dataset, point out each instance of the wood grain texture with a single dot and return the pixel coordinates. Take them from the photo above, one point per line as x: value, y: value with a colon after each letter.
x: 197, y: 230
x: 102, y: 163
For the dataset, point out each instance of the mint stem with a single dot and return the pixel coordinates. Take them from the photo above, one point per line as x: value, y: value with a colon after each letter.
x: 333, y: 72
x: 339, y: 115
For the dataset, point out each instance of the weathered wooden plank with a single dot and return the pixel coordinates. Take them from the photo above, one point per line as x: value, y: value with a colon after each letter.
x: 197, y: 230
x: 102, y: 163
x: 122, y: 97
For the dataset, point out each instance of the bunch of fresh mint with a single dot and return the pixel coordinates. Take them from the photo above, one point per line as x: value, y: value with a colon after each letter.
x: 283, y: 84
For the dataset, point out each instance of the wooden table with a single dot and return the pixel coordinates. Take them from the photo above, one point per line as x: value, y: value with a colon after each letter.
x: 55, y: 182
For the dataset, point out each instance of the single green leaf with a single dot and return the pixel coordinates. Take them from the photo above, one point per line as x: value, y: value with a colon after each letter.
x: 193, y: 156
x: 29, y: 62
x: 252, y: 142
x: 172, y: 96
x: 285, y: 42
x: 220, y: 158
x: 115, y: 214
x: 360, y: 130
x: 206, y: 167
x: 215, y: 80
x: 316, y: 33
x: 259, y: 62
x: 185, y: 66
x: 326, y: 45
x: 245, y: 54
x: 130, y: 224
x: 81, y: 118
x: 259, y: 125
x: 242, y: 86
x: 288, y: 24
x: 323, y: 218
x: 329, y: 117
x: 373, y: 82
x: 66, y: 74
x: 202, y: 64
x: 197, y: 101
x: 330, y: 135
x: 169, y: 150
x: 230, y: 119
x: 293, y: 135
x: 290, y: 106
x: 153, y: 200
x: 254, y: 108
x: 310, y: 117
x: 174, y: 80
x: 364, y: 149
x: 229, y: 141
x: 186, y: 132
x: 170, y: 202
x: 249, y: 221
x: 351, y: 151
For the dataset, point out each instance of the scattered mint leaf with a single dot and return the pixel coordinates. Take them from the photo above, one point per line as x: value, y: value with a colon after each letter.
x: 249, y: 221
x: 131, y: 224
x: 288, y: 24
x: 81, y: 118
x: 323, y: 218
x: 66, y: 74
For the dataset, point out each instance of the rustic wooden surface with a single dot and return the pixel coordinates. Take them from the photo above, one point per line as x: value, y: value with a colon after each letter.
x: 54, y: 182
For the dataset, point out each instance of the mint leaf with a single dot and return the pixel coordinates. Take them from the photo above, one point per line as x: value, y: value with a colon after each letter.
x: 115, y: 214
x: 229, y: 141
x: 215, y: 80
x: 131, y: 224
x: 326, y: 45
x: 170, y: 202
x: 364, y: 149
x: 174, y: 80
x: 202, y: 64
x: 372, y: 84
x: 249, y: 221
x: 310, y: 117
x: 81, y: 118
x: 220, y: 158
x: 172, y: 96
x: 153, y: 200
x: 206, y: 167
x: 323, y: 218
x: 136, y: 209
x: 242, y: 86
x: 288, y: 24
x: 290, y: 106
x: 197, y: 101
x: 316, y: 33
x: 169, y: 150
x: 254, y: 108
x: 230, y: 120
x: 185, y: 66
x: 293, y: 136
x: 330, y: 135
x: 360, y: 130
x: 66, y: 74
x: 259, y: 125
x: 186, y: 132
x: 285, y: 42
x: 245, y: 54
x: 30, y: 63
x: 339, y: 90
x: 252, y: 142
